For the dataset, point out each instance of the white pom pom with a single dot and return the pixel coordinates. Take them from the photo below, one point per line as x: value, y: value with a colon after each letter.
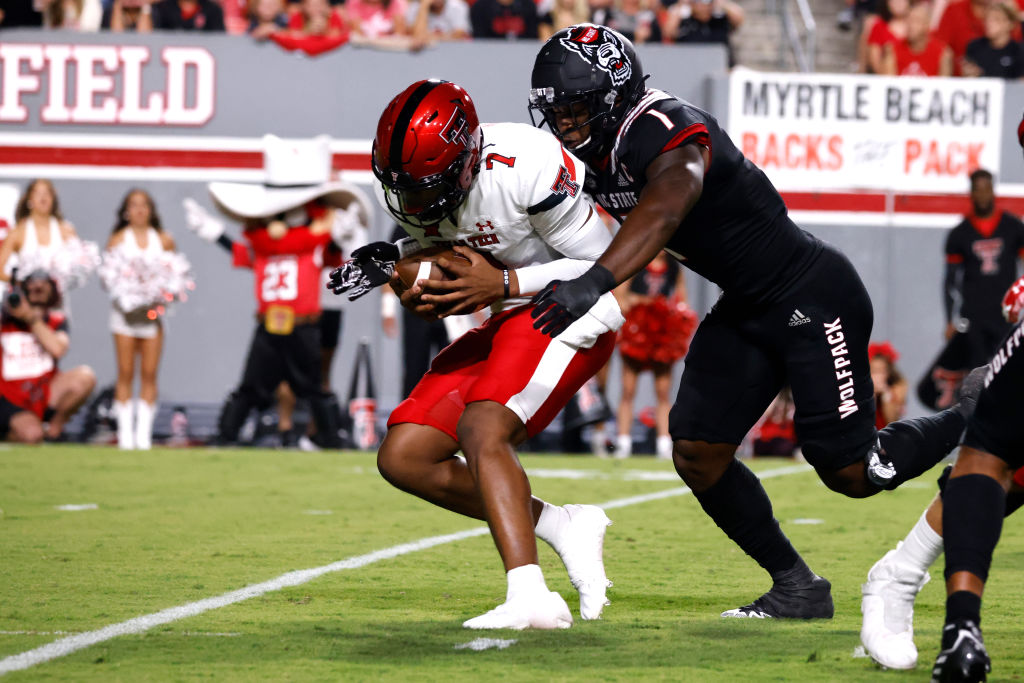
x: 146, y: 282
x: 71, y: 265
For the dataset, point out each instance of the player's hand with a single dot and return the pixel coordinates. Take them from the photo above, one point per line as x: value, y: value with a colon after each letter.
x: 412, y: 300
x: 1013, y: 302
x: 560, y: 304
x: 371, y: 266
x: 477, y: 284
x: 199, y: 221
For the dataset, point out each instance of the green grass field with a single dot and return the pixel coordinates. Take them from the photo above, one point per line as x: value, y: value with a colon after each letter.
x: 172, y: 527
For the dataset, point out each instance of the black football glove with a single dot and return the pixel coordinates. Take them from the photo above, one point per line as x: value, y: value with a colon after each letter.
x: 371, y: 266
x: 560, y: 304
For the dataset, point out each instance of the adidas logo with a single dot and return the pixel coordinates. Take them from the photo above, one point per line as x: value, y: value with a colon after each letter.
x: 798, y: 318
x: 622, y: 181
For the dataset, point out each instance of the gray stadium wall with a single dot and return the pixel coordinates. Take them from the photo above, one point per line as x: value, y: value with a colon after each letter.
x: 259, y: 88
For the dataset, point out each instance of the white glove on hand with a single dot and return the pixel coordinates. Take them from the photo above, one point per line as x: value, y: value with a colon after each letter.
x: 200, y: 222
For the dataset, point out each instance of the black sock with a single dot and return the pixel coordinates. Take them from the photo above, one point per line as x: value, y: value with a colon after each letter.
x: 740, y: 507
x: 963, y: 605
x: 915, y: 446
x: 972, y: 519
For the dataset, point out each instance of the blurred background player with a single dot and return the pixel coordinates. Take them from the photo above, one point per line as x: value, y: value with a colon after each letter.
x: 793, y: 308
x: 983, y: 255
x: 37, y: 399
x: 501, y: 382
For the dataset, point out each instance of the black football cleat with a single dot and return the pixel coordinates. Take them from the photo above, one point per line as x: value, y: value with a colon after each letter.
x: 807, y: 600
x: 963, y: 658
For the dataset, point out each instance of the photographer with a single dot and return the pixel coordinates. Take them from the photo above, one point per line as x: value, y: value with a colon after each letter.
x: 36, y: 400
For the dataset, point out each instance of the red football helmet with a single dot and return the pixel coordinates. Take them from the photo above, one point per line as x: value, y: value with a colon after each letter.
x: 427, y: 151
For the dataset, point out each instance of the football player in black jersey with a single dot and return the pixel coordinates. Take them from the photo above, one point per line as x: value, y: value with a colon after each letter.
x: 793, y: 310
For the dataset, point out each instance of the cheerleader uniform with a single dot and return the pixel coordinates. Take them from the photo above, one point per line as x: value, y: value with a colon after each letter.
x: 136, y: 323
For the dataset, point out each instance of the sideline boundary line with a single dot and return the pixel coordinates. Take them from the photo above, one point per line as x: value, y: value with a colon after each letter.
x: 65, y: 646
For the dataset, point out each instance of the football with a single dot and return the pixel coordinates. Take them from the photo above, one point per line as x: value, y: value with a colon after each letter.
x: 423, y: 266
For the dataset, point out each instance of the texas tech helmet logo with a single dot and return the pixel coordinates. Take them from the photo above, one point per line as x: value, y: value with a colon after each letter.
x: 601, y: 48
x: 455, y: 129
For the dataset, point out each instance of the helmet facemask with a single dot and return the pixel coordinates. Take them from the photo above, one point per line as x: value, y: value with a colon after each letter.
x: 426, y: 201
x: 592, y: 107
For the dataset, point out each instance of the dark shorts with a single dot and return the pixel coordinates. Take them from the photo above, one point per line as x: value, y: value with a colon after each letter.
x: 330, y: 328
x: 276, y: 358
x: 815, y: 340
x: 997, y: 426
x: 7, y: 411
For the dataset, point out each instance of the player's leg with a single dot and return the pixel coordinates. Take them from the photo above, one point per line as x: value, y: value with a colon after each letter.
x: 827, y: 366
x: 624, y: 421
x: 124, y: 407
x: 974, y: 504
x: 68, y: 391
x: 662, y: 390
x: 728, y: 382
x: 150, y: 350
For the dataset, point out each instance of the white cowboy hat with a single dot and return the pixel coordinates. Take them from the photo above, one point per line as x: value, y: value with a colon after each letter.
x: 296, y: 172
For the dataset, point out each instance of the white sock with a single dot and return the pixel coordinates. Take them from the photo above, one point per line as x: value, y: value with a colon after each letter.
x: 921, y: 547
x: 125, y: 433
x: 663, y: 447
x: 144, y: 425
x: 525, y: 579
x: 623, y: 446
x: 552, y: 520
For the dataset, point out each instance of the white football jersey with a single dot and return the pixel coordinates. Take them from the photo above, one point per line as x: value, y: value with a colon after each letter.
x: 527, y: 208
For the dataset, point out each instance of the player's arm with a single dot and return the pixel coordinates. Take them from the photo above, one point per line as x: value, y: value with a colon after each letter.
x: 675, y: 180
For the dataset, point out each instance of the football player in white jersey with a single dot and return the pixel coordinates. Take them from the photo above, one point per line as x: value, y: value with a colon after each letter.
x: 513, y: 193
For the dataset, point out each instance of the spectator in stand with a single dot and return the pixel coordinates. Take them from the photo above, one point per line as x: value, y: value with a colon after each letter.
x: 315, y: 27
x: 997, y: 54
x: 375, y: 21
x: 919, y: 54
x: 20, y: 14
x: 963, y: 21
x: 634, y: 19
x: 132, y: 16
x: 775, y: 433
x: 73, y: 15
x: 562, y: 14
x: 509, y: 19
x: 890, y: 385
x: 188, y: 15
x: 266, y: 17
x: 886, y: 26
x: 600, y: 11
x: 39, y: 226
x: 434, y: 20
x: 704, y: 21
x: 36, y: 400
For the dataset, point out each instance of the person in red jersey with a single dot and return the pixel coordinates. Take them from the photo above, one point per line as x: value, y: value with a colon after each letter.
x: 36, y: 399
x: 919, y: 54
x: 289, y: 225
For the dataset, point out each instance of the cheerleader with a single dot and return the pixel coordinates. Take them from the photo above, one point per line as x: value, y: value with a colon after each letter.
x: 139, y: 332
x: 657, y: 333
x: 40, y: 230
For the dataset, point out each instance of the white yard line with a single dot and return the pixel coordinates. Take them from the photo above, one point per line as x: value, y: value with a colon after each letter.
x: 70, y: 644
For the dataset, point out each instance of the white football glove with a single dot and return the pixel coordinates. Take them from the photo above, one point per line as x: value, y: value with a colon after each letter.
x: 201, y: 222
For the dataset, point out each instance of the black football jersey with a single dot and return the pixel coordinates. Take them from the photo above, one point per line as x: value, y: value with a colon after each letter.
x: 738, y: 234
x: 989, y: 260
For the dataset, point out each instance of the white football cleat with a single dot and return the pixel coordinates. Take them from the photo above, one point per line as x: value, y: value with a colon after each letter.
x: 536, y: 610
x: 887, y: 603
x: 581, y: 547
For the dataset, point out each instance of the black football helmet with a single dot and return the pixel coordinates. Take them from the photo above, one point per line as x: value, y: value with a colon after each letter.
x: 589, y: 67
